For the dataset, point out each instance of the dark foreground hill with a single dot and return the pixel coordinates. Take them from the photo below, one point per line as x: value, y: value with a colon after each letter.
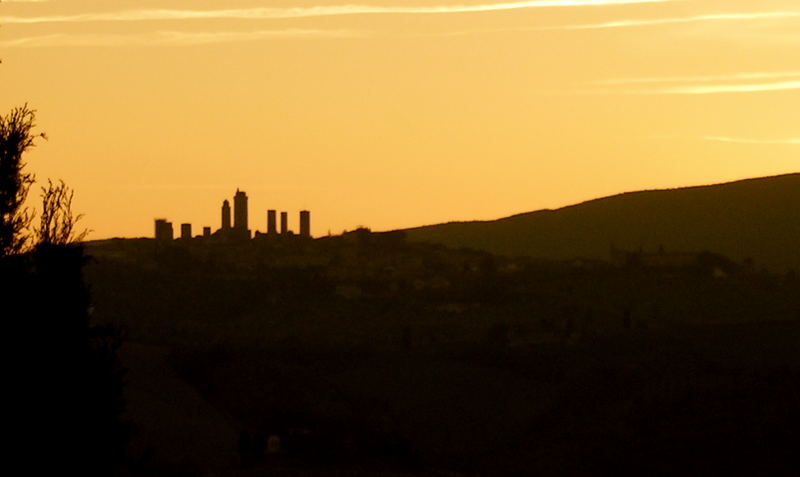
x: 756, y: 219
x: 364, y: 354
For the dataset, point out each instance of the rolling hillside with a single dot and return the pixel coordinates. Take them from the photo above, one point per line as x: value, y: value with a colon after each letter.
x: 753, y: 218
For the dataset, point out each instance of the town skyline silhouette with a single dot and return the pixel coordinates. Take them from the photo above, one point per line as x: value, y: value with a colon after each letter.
x: 239, y: 229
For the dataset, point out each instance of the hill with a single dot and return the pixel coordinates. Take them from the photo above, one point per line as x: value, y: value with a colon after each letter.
x: 366, y: 354
x: 756, y: 219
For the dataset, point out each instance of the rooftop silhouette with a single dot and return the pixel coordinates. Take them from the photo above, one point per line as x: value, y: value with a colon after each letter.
x: 239, y: 229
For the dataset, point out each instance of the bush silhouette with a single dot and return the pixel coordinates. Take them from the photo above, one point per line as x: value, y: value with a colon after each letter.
x: 65, y: 381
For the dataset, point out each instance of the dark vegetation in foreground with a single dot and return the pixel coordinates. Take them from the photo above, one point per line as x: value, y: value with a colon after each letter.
x: 365, y: 354
x: 64, y: 381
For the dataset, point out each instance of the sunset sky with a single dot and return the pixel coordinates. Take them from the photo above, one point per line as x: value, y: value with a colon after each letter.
x: 396, y: 113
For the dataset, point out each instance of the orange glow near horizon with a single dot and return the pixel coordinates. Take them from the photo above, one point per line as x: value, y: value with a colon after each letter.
x: 394, y: 114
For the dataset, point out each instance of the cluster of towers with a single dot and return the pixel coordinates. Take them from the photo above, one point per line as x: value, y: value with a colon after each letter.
x: 238, y: 230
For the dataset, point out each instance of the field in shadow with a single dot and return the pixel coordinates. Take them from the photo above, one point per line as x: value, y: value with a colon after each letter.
x: 464, y: 364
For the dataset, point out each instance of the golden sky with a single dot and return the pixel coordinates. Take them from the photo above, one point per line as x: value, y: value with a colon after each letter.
x: 396, y: 113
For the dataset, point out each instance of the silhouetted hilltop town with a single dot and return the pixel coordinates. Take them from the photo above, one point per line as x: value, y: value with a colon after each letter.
x: 385, y: 352
x: 240, y: 230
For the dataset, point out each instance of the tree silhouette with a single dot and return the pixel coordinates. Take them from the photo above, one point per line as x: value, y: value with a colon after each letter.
x: 65, y: 383
x: 57, y: 222
x: 16, y: 137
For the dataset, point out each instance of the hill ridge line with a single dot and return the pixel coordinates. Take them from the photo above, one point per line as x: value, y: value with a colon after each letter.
x: 588, y: 201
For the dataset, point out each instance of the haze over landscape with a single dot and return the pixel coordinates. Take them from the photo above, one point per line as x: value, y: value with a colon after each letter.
x: 396, y: 114
x: 401, y: 237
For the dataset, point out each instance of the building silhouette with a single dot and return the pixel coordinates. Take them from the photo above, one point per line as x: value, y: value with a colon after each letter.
x: 305, y: 223
x: 240, y: 214
x: 237, y: 228
x: 272, y: 226
x: 163, y: 230
x: 226, y: 215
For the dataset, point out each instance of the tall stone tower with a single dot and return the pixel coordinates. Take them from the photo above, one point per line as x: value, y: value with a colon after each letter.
x: 240, y: 214
x: 305, y: 223
x: 226, y: 215
x: 163, y: 230
x: 272, y: 228
x: 284, y: 223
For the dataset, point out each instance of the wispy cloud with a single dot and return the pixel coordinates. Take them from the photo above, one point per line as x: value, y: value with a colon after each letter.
x: 313, y: 11
x: 672, y: 20
x: 701, y: 79
x: 171, y: 38
x: 738, y: 140
x: 704, y: 84
x: 628, y: 23
x: 722, y: 88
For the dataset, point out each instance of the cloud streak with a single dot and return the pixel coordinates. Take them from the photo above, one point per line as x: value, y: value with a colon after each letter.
x: 706, y: 84
x: 673, y: 20
x: 313, y: 11
x: 737, y: 140
x: 172, y: 38
x: 723, y: 88
x: 630, y: 23
x: 702, y: 79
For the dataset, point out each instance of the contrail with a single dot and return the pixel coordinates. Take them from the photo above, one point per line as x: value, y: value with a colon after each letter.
x: 171, y: 38
x: 701, y: 79
x: 751, y: 141
x: 671, y: 20
x: 724, y: 88
x: 315, y: 11
x: 628, y: 23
